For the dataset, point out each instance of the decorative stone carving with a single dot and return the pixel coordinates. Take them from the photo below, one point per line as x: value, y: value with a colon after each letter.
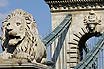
x: 63, y: 5
x: 20, y: 38
x: 91, y: 21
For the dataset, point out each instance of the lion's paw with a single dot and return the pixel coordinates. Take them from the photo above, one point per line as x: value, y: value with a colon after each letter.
x: 22, y: 55
x: 6, y: 55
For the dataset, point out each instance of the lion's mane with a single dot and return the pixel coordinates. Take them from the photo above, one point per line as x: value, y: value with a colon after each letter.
x: 31, y: 44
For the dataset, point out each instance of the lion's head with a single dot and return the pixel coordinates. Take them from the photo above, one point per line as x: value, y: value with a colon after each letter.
x: 16, y: 25
x: 20, y: 34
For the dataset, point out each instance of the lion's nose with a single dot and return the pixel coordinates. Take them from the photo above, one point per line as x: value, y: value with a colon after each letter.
x: 11, y: 32
x: 8, y: 30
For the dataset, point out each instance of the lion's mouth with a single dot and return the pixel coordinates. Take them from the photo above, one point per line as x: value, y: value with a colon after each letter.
x: 14, y: 37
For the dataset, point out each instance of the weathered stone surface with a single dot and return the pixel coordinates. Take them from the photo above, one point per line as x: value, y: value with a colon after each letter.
x: 20, y: 40
x: 23, y: 66
x: 78, y: 28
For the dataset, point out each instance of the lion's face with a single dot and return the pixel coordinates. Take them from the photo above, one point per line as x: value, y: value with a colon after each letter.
x: 15, y: 28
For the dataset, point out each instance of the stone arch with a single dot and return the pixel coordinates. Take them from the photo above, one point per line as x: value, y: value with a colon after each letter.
x: 83, y: 39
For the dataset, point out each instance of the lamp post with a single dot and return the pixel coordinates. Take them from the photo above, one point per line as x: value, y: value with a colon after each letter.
x: 91, y: 21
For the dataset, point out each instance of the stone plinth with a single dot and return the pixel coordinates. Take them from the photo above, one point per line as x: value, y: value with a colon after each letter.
x: 23, y: 66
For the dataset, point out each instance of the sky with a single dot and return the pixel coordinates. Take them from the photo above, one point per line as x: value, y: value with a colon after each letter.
x: 38, y: 8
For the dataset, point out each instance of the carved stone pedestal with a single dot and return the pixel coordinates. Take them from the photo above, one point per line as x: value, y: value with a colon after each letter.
x: 23, y: 66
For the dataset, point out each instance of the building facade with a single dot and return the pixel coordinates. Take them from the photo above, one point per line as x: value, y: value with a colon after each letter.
x: 71, y: 51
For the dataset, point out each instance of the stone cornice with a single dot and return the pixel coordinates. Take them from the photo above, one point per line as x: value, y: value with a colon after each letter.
x: 75, y: 4
x: 71, y: 1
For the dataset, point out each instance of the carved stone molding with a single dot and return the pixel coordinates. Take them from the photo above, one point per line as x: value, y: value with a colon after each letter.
x: 75, y: 4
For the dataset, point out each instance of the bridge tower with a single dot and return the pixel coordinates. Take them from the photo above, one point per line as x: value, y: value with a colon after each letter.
x: 68, y: 53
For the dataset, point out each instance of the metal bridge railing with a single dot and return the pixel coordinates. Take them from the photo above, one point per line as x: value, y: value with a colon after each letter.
x: 58, y: 30
x: 91, y: 59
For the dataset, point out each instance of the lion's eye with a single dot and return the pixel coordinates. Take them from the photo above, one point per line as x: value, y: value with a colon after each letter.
x: 27, y: 18
x: 18, y: 23
x: 8, y: 24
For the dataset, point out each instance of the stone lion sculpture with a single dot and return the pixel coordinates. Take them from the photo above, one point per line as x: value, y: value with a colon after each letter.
x: 20, y: 38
